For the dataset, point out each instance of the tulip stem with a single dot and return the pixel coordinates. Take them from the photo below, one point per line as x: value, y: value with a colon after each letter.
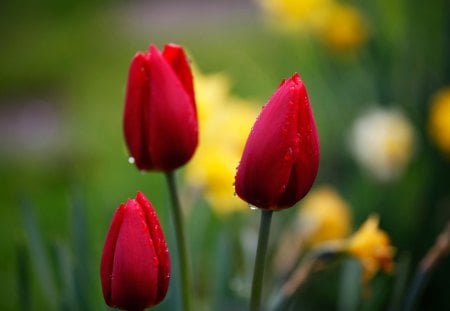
x: 258, y: 271
x: 440, y: 249
x: 177, y: 218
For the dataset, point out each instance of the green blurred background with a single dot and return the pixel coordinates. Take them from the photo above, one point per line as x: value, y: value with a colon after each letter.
x: 63, y: 71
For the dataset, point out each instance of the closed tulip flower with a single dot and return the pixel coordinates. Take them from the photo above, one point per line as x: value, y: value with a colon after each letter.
x: 281, y: 156
x: 160, y: 118
x: 135, y: 265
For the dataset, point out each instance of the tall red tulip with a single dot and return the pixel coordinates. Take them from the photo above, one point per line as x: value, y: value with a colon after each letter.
x: 281, y: 157
x: 160, y: 118
x: 135, y: 266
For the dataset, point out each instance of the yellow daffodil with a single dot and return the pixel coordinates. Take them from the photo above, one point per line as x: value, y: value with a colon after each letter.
x: 341, y: 27
x: 382, y: 141
x: 224, y: 123
x: 371, y: 247
x: 344, y: 29
x: 439, y: 119
x: 294, y: 15
x: 324, y: 215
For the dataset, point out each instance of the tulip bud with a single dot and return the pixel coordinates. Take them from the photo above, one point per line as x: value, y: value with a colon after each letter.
x: 281, y: 156
x: 135, y: 266
x: 160, y: 118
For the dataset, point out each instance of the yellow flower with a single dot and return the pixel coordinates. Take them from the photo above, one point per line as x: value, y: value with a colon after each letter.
x: 224, y: 123
x: 371, y: 246
x: 439, y: 119
x: 382, y: 141
x: 345, y: 29
x: 341, y: 27
x: 295, y: 15
x: 324, y: 216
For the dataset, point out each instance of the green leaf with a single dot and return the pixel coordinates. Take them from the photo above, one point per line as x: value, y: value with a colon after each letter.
x: 23, y: 279
x: 80, y: 246
x: 39, y: 257
x: 66, y: 269
x: 349, y: 294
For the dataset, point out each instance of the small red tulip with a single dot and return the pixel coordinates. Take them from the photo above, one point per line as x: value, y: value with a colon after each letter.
x: 135, y: 266
x: 281, y: 157
x: 160, y: 118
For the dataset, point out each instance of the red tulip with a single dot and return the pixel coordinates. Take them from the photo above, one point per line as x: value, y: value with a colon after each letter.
x: 135, y: 266
x: 281, y: 156
x: 160, y: 118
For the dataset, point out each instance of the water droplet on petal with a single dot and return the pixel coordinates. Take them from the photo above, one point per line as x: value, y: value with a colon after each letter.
x: 131, y: 160
x: 289, y: 155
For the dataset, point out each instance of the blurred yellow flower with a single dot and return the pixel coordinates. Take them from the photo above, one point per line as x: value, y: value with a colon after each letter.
x: 439, y: 119
x: 344, y: 29
x: 371, y: 246
x: 224, y: 122
x: 382, y: 141
x: 324, y: 215
x: 295, y: 15
x: 341, y: 27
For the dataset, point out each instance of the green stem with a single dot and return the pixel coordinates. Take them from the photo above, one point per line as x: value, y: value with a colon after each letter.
x: 417, y: 287
x: 177, y: 218
x: 440, y: 249
x: 258, y: 272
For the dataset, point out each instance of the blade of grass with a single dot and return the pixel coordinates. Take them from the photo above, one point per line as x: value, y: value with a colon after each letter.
x: 350, y: 283
x: 23, y: 279
x: 401, y: 278
x: 38, y: 254
x: 66, y: 273
x: 80, y: 246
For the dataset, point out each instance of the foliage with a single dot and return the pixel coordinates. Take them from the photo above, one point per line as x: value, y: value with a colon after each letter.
x: 62, y: 87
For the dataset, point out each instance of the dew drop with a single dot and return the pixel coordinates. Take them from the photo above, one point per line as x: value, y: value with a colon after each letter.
x: 289, y: 155
x: 253, y: 208
x: 131, y: 160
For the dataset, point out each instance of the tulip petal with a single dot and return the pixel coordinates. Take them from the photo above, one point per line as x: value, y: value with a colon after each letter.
x: 281, y: 156
x: 172, y: 126
x: 160, y: 245
x: 106, y: 265
x: 175, y: 56
x: 270, y: 151
x: 135, y: 267
x: 160, y: 117
x: 306, y: 164
x: 135, y: 113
